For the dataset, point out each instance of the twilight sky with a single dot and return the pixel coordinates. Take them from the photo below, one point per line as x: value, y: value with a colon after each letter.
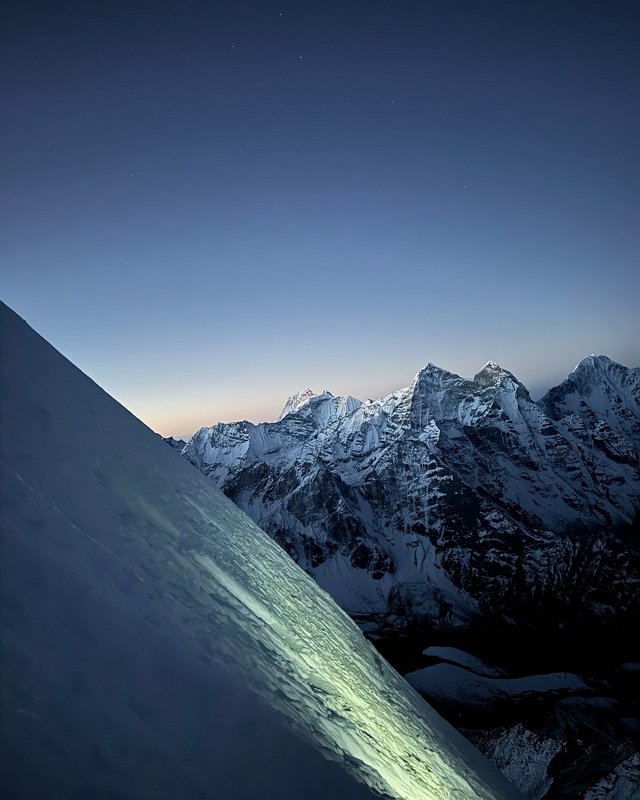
x: 210, y: 205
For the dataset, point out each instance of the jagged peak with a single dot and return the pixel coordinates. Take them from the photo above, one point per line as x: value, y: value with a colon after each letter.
x: 594, y: 362
x: 296, y: 401
x: 435, y: 368
x: 591, y: 373
x: 594, y: 368
x: 492, y: 373
x: 432, y: 372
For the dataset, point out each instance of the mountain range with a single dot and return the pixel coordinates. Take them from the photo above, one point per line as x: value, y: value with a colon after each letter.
x: 452, y: 500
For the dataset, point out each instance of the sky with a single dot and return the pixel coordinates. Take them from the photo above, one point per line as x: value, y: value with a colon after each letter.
x: 208, y: 206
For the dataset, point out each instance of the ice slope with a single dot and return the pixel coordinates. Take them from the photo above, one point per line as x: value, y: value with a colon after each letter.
x: 156, y: 643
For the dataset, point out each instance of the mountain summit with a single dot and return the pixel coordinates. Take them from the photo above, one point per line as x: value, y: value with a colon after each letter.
x: 296, y: 401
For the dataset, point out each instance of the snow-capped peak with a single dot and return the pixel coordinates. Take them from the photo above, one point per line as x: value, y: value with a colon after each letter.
x: 433, y: 377
x: 493, y: 373
x: 433, y: 370
x: 296, y: 401
x: 593, y: 363
x: 594, y: 381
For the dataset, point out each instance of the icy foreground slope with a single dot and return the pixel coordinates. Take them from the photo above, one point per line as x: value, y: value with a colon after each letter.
x: 138, y: 607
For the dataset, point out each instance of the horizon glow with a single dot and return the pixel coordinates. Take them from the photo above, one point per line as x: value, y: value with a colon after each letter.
x: 208, y: 207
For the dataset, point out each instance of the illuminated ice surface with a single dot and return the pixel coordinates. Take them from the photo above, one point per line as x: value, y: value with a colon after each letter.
x: 156, y: 644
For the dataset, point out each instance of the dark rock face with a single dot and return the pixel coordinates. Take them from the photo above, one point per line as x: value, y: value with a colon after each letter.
x: 465, y: 495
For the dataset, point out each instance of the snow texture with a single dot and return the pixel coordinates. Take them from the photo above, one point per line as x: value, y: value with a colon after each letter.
x: 623, y: 783
x: 463, y: 659
x: 456, y: 684
x: 157, y: 644
x: 523, y: 756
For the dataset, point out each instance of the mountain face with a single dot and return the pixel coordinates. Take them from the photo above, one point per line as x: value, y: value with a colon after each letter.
x: 453, y: 499
x: 156, y: 644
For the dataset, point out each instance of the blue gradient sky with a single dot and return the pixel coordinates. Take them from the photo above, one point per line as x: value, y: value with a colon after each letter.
x: 210, y: 205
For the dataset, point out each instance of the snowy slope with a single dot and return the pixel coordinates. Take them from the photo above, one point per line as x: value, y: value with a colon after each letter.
x: 459, y: 657
x: 155, y: 643
x: 451, y: 498
x: 456, y: 684
x: 622, y: 784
